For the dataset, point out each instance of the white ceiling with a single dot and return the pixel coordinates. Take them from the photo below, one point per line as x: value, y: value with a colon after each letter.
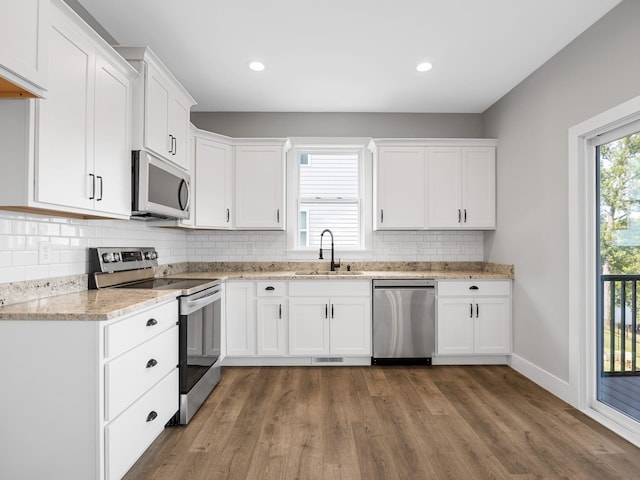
x: 349, y: 55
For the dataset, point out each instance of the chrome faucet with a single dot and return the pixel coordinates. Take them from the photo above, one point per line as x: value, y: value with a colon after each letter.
x: 334, y: 265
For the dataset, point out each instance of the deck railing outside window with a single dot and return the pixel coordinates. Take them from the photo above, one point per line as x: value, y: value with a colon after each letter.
x: 620, y: 321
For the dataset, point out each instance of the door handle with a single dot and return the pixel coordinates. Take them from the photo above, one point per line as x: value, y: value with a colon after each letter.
x: 471, y: 310
x: 332, y: 310
x: 151, y: 322
x: 381, y: 215
x: 175, y: 145
x: 459, y: 215
x: 228, y: 215
x: 101, y: 188
x: 280, y: 311
x: 326, y: 311
x: 477, y: 310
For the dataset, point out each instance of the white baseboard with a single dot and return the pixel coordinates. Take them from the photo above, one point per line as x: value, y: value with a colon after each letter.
x: 470, y: 360
x: 560, y: 388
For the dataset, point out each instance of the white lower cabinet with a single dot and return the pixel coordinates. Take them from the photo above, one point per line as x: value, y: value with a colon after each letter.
x: 90, y: 396
x: 240, y: 318
x: 474, y: 317
x: 330, y: 317
x: 297, y: 320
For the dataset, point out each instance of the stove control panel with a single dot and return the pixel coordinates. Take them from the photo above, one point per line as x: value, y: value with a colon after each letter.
x: 110, y: 259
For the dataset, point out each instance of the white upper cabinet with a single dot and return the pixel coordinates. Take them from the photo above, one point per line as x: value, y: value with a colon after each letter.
x: 259, y: 186
x: 400, y: 184
x: 213, y: 182
x: 162, y: 106
x: 462, y: 187
x: 434, y: 184
x: 23, y: 47
x: 72, y: 150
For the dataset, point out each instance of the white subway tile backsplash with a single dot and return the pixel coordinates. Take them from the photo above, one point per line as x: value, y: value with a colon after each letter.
x: 22, y: 234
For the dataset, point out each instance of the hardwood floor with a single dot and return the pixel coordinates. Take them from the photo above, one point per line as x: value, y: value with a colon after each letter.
x: 385, y: 423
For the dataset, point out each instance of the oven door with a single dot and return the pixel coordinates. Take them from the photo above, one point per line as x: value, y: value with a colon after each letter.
x: 199, y: 349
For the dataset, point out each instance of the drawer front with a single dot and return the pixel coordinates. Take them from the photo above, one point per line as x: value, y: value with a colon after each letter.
x: 271, y: 289
x: 478, y: 288
x: 132, y: 374
x: 330, y: 288
x: 129, y: 435
x: 135, y: 329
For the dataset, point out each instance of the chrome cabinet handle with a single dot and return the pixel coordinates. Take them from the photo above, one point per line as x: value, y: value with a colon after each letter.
x: 151, y: 322
x: 152, y: 363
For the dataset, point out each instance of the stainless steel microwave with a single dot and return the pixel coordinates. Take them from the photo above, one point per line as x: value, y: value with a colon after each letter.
x: 159, y: 190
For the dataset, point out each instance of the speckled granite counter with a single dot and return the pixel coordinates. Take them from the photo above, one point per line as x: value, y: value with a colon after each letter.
x: 88, y: 305
x: 110, y: 303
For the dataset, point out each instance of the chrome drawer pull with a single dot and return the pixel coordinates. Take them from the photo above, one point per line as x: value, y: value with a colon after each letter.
x: 152, y: 363
x: 152, y: 416
x: 151, y: 322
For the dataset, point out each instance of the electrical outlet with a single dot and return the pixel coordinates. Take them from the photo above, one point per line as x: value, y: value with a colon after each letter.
x: 44, y: 253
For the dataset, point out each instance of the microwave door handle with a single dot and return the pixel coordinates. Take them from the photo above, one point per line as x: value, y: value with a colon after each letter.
x: 184, y: 185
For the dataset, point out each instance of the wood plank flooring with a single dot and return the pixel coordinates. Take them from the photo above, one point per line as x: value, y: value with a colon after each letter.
x: 386, y: 423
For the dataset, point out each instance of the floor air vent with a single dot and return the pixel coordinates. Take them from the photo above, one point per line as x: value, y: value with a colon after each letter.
x: 328, y: 360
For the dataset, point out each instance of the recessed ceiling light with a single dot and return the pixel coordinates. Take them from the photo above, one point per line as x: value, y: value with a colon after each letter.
x: 424, y: 67
x: 256, y: 66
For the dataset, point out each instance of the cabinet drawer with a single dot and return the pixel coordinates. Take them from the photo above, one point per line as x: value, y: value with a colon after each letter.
x: 271, y: 289
x: 478, y: 288
x: 129, y: 435
x: 131, y: 331
x: 330, y: 288
x: 130, y: 375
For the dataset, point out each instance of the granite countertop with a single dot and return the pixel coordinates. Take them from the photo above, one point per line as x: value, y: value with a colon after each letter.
x: 106, y: 304
x: 88, y: 305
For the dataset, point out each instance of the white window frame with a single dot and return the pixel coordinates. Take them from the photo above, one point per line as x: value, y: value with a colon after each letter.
x: 365, y: 172
x: 306, y: 230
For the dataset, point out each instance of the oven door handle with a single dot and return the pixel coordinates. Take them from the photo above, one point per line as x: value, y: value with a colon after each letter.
x: 190, y: 306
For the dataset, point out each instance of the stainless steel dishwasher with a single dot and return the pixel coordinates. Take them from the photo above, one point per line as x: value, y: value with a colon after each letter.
x: 404, y: 314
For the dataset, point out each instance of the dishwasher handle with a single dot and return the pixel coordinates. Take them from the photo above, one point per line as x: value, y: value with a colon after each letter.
x: 408, y: 283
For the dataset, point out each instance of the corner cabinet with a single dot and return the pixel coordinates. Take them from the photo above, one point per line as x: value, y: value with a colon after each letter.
x: 434, y: 184
x: 23, y: 47
x: 104, y: 400
x: 161, y: 108
x: 473, y: 317
x: 72, y: 151
x: 212, y: 180
x: 259, y: 174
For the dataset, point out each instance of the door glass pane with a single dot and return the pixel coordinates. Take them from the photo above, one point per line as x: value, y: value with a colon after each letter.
x: 618, y: 356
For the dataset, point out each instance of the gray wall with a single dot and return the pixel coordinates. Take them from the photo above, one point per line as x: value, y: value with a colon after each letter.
x: 407, y: 125
x: 599, y: 70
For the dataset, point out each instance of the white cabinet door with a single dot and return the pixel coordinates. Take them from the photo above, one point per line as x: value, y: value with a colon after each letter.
x: 157, y: 101
x: 272, y: 327
x: 400, y: 188
x: 179, y: 130
x: 455, y: 326
x: 444, y: 187
x: 240, y: 318
x: 492, y: 325
x: 309, y: 326
x: 112, y: 147
x: 212, y: 177
x: 259, y: 187
x: 24, y: 29
x: 63, y: 176
x: 350, y: 326
x: 479, y: 187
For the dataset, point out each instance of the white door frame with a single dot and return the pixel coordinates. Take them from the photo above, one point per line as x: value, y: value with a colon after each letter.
x: 582, y: 267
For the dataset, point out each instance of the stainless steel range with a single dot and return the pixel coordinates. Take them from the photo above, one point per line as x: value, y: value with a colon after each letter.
x: 199, y: 319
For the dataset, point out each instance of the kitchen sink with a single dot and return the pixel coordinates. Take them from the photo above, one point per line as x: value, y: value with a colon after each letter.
x: 327, y: 272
